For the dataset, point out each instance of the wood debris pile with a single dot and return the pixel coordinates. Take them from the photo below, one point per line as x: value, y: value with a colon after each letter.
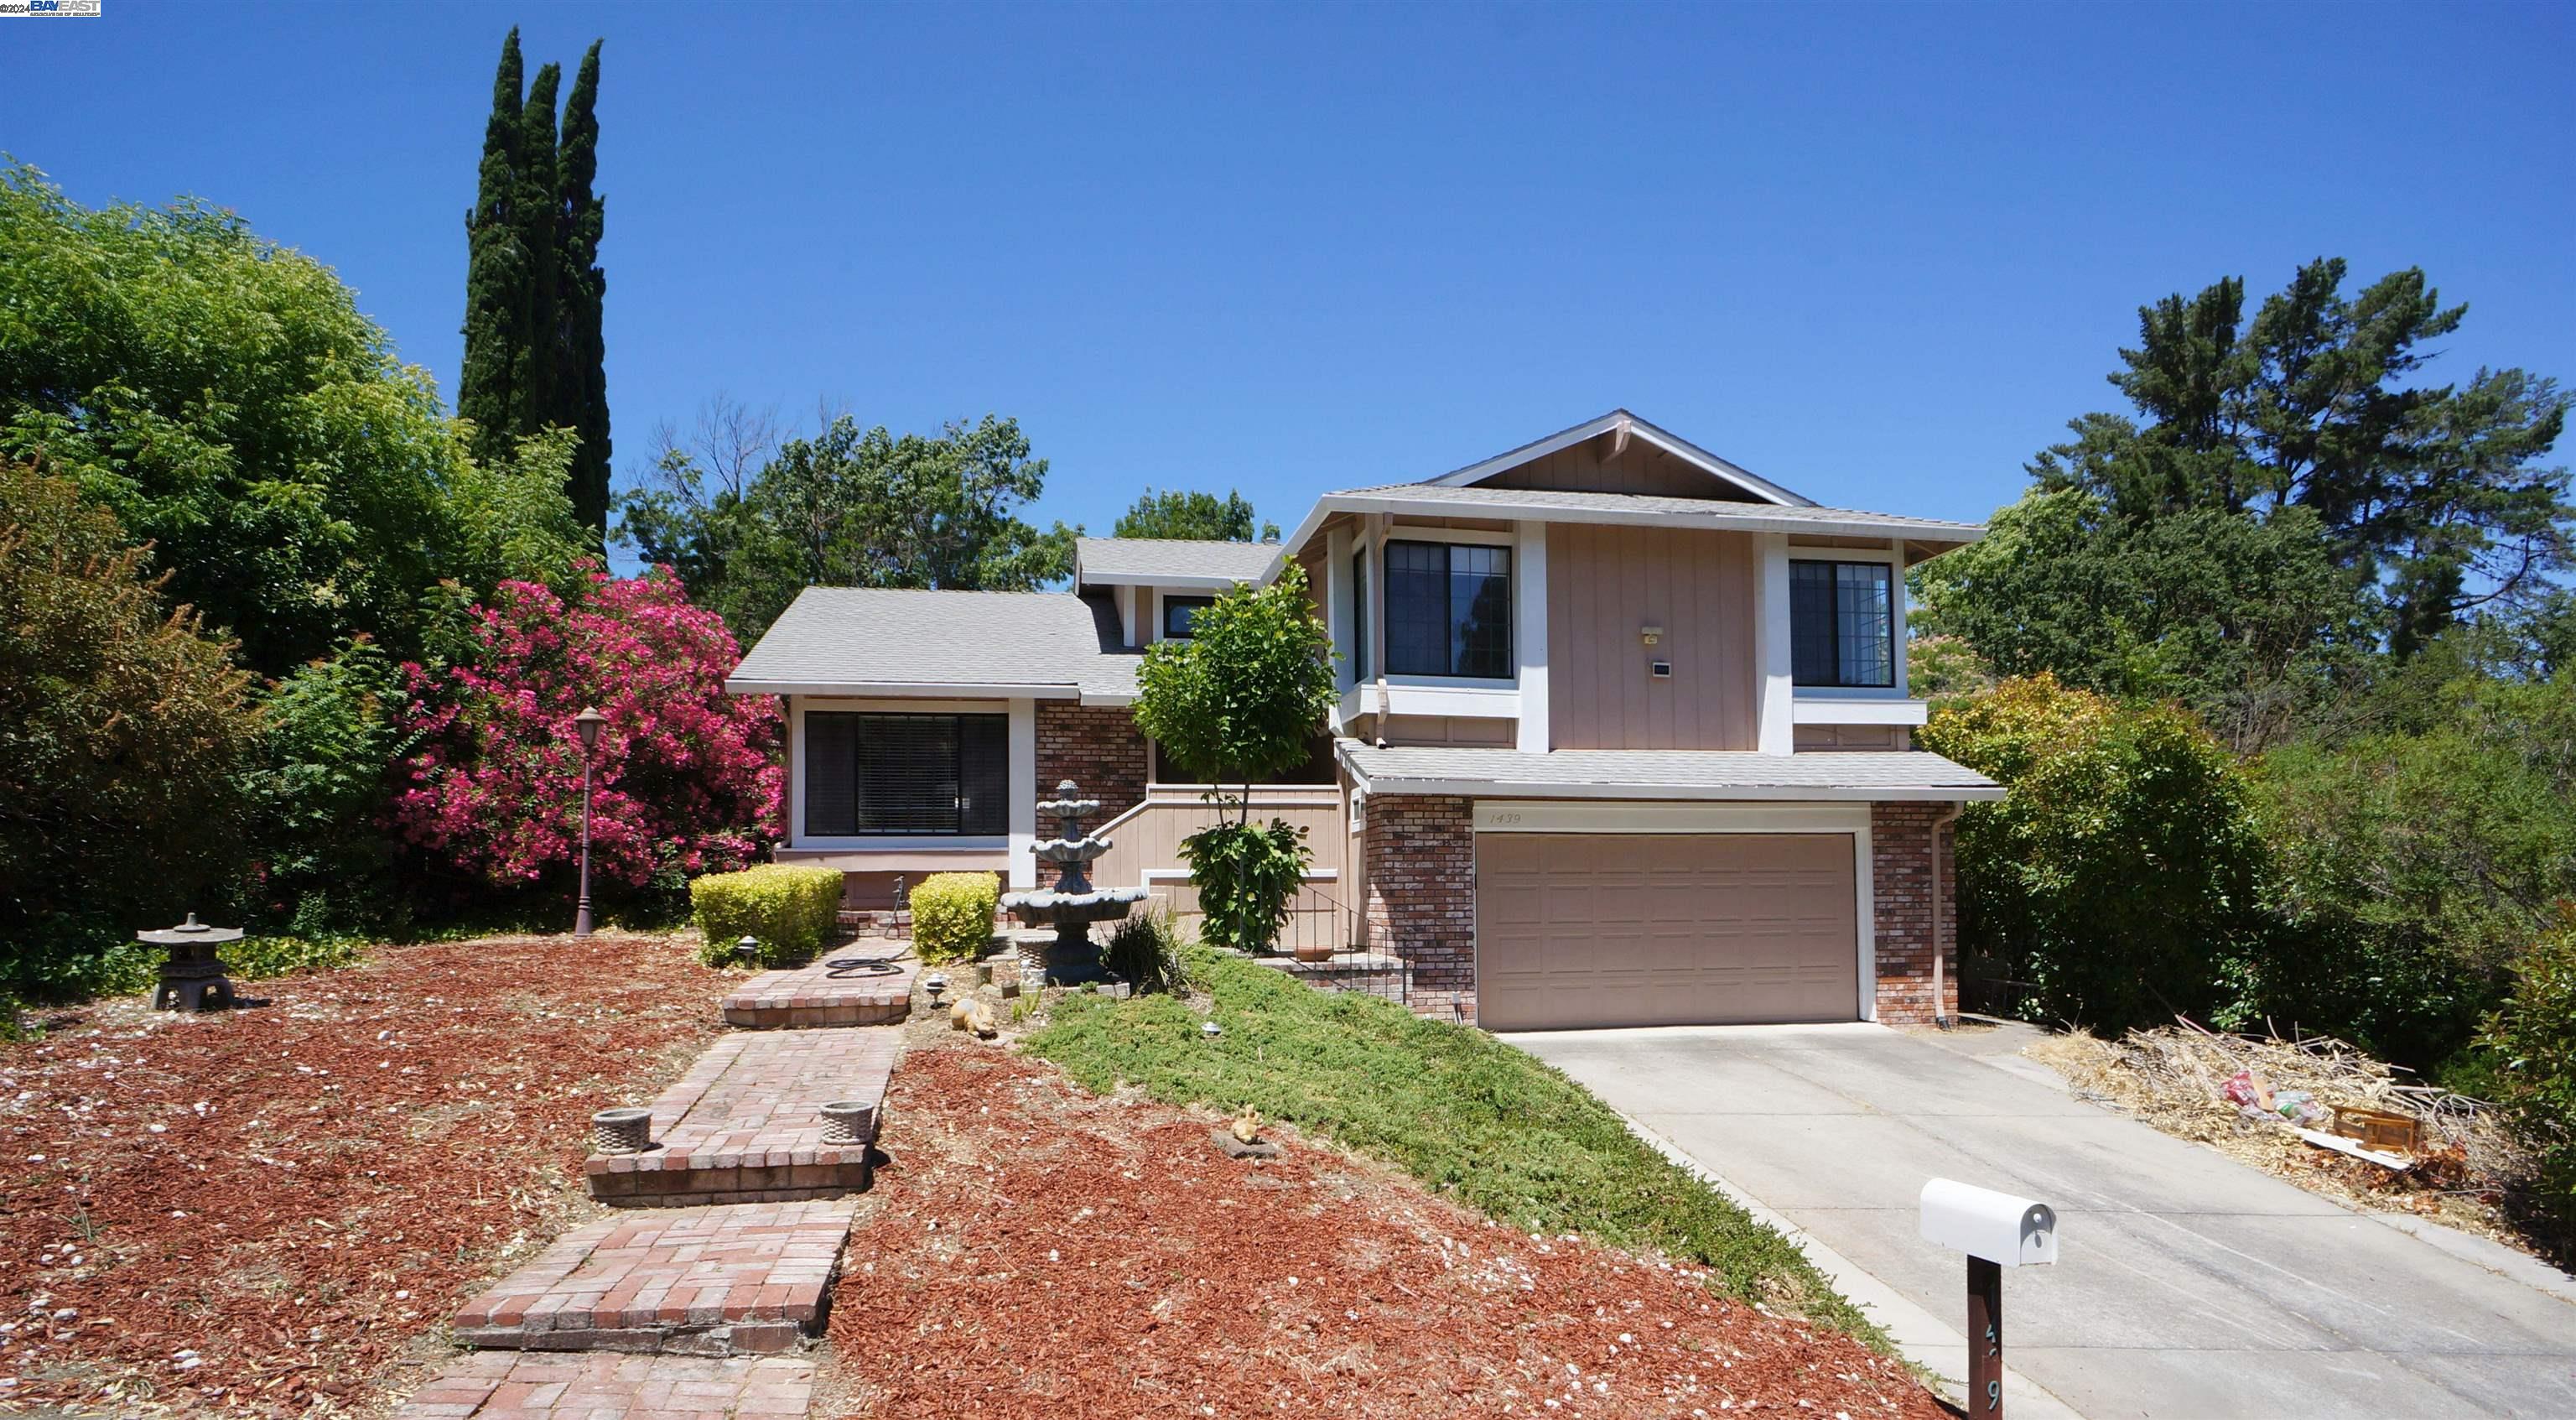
x: 2176, y: 1078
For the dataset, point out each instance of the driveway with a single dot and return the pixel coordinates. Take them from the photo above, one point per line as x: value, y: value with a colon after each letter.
x: 2189, y: 1286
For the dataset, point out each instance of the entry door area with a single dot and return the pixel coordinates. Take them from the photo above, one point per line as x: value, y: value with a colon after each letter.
x: 1621, y: 929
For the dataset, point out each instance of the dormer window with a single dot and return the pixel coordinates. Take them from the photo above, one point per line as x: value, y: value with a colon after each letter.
x: 1842, y: 624
x: 1449, y: 610
x: 1179, y: 612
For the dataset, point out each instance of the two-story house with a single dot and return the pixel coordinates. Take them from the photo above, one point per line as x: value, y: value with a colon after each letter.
x: 1623, y: 735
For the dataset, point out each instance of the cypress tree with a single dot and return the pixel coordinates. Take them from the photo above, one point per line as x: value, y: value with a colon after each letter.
x: 584, y: 293
x: 496, y: 299
x: 540, y: 401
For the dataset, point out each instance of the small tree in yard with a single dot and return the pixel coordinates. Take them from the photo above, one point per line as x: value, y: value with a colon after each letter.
x: 1242, y: 699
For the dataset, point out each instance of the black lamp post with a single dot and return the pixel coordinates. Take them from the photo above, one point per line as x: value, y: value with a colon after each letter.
x: 588, y: 723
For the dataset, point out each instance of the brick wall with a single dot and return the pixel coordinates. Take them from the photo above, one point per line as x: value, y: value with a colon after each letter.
x: 1420, y: 853
x: 1901, y: 869
x: 1095, y: 746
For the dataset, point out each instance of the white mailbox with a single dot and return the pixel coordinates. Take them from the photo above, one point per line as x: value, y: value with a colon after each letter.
x: 2013, y: 1232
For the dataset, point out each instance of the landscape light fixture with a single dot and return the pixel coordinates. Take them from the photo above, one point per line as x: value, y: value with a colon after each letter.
x: 587, y: 725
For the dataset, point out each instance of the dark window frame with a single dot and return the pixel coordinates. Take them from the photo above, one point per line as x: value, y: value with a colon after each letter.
x: 1361, y: 672
x: 1508, y: 664
x: 1182, y: 603
x: 1805, y: 624
x: 978, y: 773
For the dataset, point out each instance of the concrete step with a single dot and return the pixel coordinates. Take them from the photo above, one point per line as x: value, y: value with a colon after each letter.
x: 859, y: 985
x: 499, y: 1385
x: 745, y: 1124
x: 720, y: 1281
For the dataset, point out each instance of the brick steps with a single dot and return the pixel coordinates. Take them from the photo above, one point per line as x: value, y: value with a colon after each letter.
x: 720, y: 1281
x: 745, y: 1125
x: 506, y: 1386
x: 859, y: 985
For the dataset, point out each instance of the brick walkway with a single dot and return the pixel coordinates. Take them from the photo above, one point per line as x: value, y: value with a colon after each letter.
x: 745, y: 1125
x: 860, y: 985
x: 752, y: 1277
x: 500, y: 1385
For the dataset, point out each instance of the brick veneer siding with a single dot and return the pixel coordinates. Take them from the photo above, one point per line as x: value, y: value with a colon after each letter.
x: 1901, y: 868
x: 1420, y: 853
x: 1095, y: 746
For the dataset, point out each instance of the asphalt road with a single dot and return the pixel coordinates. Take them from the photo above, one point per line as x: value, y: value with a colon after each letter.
x: 2190, y: 1286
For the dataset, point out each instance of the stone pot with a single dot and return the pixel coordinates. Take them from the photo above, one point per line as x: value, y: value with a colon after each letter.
x: 627, y: 1130
x: 1312, y: 954
x: 849, y: 1122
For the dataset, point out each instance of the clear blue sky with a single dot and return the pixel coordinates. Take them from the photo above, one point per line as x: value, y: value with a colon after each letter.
x: 1879, y: 254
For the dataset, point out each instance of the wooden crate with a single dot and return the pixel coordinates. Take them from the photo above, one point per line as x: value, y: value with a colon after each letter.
x: 2379, y: 1128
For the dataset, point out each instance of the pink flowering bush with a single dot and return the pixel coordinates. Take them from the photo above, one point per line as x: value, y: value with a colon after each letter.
x: 686, y: 778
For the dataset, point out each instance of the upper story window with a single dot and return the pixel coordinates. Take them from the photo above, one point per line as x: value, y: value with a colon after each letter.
x: 1449, y: 610
x: 1359, y: 637
x: 1179, y: 612
x: 938, y: 775
x: 1842, y: 624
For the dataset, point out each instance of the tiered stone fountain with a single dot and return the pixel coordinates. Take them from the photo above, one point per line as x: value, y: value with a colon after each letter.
x: 1073, y: 904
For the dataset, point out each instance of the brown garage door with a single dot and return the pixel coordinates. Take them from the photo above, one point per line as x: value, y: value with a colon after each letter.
x: 1618, y: 929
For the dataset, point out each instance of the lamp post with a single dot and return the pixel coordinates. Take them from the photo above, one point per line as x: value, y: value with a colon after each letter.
x: 587, y: 723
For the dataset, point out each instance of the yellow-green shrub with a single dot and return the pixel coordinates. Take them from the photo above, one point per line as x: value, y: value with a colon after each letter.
x: 791, y: 911
x: 952, y: 914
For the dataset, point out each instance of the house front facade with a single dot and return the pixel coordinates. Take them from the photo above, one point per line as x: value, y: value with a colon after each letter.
x: 1622, y: 736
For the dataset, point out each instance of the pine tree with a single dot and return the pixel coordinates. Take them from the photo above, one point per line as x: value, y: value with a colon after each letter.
x: 584, y: 293
x: 496, y: 301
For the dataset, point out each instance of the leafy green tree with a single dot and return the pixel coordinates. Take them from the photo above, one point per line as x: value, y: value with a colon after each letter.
x: 2414, y: 866
x: 2120, y: 879
x: 852, y: 507
x: 2532, y: 1039
x: 226, y: 400
x: 120, y: 724
x: 534, y: 355
x: 315, y: 783
x: 1242, y: 698
x: 2243, y: 617
x: 1173, y: 513
x: 2434, y: 493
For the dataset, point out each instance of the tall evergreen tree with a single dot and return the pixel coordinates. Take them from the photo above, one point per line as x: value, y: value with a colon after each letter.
x: 584, y: 293
x: 534, y: 355
x: 496, y: 272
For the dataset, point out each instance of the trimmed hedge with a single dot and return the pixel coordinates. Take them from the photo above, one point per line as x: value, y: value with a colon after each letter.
x: 952, y: 915
x: 790, y: 910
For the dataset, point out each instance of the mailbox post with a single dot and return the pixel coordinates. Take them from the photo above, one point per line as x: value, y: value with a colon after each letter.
x: 1996, y: 1231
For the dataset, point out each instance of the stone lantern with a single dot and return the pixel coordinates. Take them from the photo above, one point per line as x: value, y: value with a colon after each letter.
x: 193, y: 978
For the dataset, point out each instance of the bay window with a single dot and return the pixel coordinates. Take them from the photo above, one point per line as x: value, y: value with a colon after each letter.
x: 1449, y: 610
x: 1842, y: 624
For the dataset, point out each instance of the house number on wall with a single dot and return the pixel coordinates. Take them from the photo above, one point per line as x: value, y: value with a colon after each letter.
x: 1505, y: 819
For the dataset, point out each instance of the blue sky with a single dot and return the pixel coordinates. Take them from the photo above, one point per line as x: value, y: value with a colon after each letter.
x: 1879, y: 254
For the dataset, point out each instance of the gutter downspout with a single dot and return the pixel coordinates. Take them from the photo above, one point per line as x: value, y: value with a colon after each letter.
x: 1939, y: 995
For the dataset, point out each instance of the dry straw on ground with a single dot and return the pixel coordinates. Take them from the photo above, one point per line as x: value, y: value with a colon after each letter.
x: 2174, y: 1078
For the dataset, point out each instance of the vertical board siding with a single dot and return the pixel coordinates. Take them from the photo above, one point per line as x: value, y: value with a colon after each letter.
x: 1151, y: 839
x: 1642, y: 469
x: 1607, y: 583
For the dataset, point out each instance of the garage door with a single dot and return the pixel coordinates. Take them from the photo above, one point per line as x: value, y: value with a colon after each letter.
x: 1616, y: 929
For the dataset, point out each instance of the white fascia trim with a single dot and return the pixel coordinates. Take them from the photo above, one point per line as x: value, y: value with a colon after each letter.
x: 1558, y: 816
x: 1766, y: 793
x: 1092, y: 697
x: 1498, y: 700
x: 1173, y: 580
x: 1678, y: 447
x: 1809, y: 708
x: 1721, y: 517
x: 903, y: 689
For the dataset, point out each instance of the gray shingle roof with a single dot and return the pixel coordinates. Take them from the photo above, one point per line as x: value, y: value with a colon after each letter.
x: 1157, y: 561
x: 1477, y: 499
x: 864, y: 639
x: 1669, y: 773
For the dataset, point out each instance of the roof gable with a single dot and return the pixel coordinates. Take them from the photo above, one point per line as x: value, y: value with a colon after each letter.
x: 1621, y: 453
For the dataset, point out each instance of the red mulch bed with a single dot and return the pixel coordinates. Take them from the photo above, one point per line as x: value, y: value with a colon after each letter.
x: 335, y: 1171
x: 1035, y: 1251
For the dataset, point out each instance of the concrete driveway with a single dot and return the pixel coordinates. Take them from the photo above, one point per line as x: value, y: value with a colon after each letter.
x: 2191, y: 1286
